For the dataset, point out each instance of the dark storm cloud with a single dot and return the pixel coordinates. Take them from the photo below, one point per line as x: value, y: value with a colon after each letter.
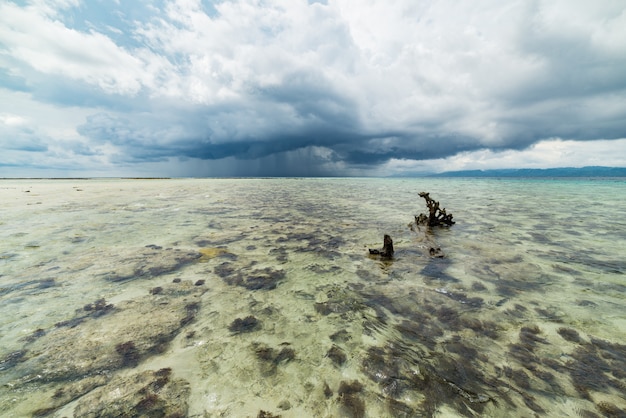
x: 328, y: 83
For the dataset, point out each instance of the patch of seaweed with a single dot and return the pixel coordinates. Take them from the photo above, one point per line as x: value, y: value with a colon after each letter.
x: 98, y: 308
x: 589, y: 372
x: 610, y: 410
x: 130, y: 354
x: 474, y: 302
x: 242, y: 325
x: 259, y: 279
x: 336, y: 355
x: 38, y: 333
x: 271, y: 358
x: 12, y: 359
x: 569, y: 334
x: 529, y: 336
x: 399, y: 409
x: 424, y: 332
x: 348, y: 397
x: 488, y: 329
x: 436, y: 270
x: 385, y: 367
x: 478, y: 287
x: 225, y: 269
x: 280, y: 254
x: 91, y: 310
x: 549, y: 314
x: 465, y: 352
x: 449, y: 382
x: 191, y: 310
x: 341, y: 336
x: 319, y: 269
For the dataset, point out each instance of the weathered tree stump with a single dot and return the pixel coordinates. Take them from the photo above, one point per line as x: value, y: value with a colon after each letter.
x: 387, y: 250
x: 436, y: 216
x: 423, y: 223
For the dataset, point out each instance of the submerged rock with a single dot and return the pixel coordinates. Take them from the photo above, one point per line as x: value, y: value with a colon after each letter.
x: 146, y: 394
x: 122, y: 338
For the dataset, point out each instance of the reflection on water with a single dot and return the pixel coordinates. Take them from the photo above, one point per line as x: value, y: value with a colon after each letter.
x: 257, y: 297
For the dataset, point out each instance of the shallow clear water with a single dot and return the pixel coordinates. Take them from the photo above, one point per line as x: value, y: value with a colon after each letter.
x: 254, y: 295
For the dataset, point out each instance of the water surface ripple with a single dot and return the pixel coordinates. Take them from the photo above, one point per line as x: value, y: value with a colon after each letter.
x: 257, y: 297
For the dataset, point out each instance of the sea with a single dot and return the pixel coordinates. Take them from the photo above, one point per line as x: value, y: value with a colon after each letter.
x: 260, y: 298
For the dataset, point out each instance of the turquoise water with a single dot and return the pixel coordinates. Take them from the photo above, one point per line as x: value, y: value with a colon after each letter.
x: 257, y: 297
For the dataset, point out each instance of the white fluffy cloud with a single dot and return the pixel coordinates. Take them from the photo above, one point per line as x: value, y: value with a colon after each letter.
x: 369, y: 82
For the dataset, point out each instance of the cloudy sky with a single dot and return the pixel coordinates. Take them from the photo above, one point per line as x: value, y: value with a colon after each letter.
x: 297, y: 87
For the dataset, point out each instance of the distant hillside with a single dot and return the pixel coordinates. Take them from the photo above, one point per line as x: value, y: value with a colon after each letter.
x: 537, y: 172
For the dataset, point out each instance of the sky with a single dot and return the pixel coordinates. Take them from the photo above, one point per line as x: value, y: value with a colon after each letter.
x: 206, y: 88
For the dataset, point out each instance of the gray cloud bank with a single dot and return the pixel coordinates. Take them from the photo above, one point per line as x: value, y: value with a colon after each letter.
x: 301, y: 88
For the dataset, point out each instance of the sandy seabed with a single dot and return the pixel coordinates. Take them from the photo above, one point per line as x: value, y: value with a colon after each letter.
x: 257, y: 298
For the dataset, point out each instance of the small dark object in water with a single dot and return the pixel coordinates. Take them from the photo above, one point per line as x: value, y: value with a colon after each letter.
x: 247, y: 324
x: 157, y: 290
x: 387, y: 250
x: 199, y: 283
x: 436, y: 252
x: 265, y: 414
x: 177, y: 280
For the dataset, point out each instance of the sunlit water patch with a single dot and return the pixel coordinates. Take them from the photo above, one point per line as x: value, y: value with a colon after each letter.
x: 257, y: 297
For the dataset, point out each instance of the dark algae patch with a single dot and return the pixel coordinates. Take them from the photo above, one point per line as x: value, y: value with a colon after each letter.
x: 243, y: 325
x: 337, y: 355
x: 271, y: 358
x: 348, y: 396
x: 304, y: 321
x: 250, y: 278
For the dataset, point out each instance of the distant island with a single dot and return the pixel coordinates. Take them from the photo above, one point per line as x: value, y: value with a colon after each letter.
x: 539, y: 172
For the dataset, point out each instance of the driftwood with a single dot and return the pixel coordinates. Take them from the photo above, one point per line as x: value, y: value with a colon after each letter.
x: 421, y: 225
x: 436, y: 216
